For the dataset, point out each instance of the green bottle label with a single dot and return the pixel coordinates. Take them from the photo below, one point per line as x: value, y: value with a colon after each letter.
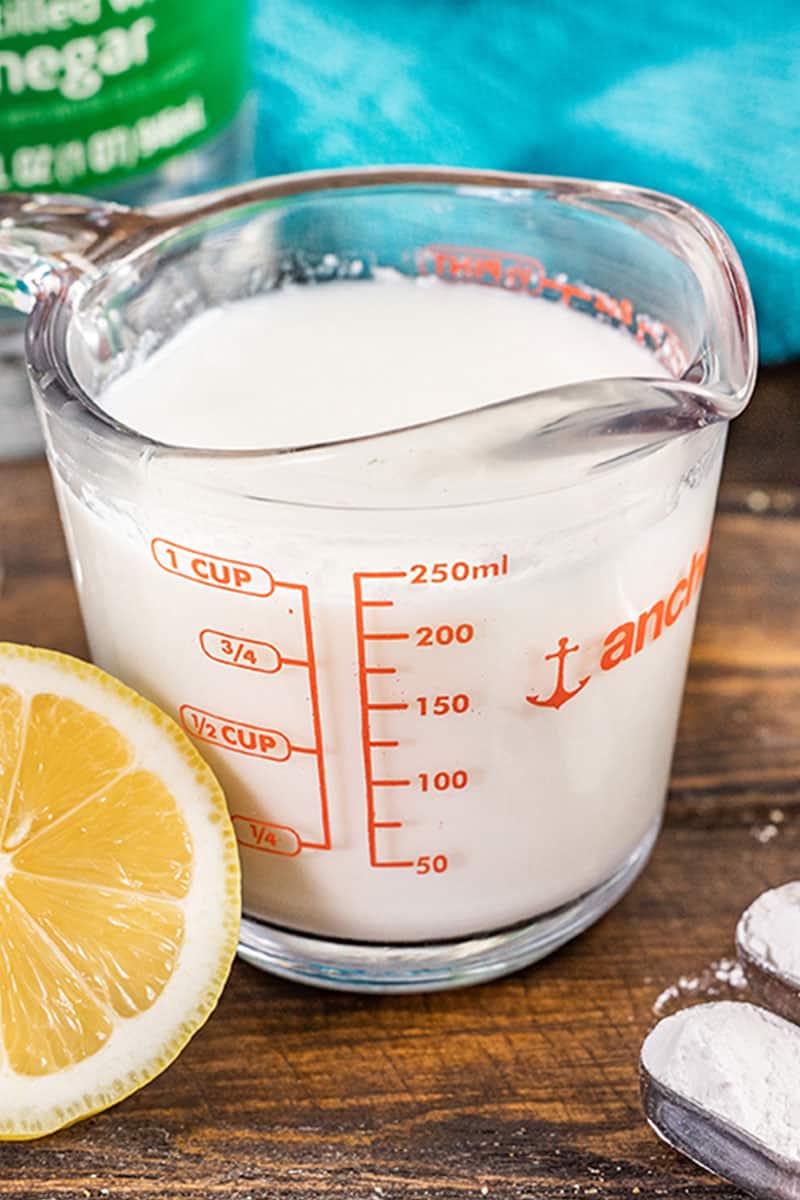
x: 94, y: 91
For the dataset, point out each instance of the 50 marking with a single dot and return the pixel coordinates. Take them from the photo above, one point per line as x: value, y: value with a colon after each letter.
x: 426, y: 863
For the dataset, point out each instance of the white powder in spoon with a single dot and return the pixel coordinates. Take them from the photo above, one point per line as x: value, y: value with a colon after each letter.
x: 769, y: 931
x: 739, y: 1062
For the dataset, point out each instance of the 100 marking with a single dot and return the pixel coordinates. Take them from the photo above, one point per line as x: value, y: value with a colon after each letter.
x: 443, y: 781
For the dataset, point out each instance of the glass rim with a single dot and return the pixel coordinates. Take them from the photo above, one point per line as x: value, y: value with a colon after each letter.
x: 49, y: 322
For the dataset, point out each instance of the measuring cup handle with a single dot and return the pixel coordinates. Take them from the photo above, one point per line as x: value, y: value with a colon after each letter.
x: 44, y: 238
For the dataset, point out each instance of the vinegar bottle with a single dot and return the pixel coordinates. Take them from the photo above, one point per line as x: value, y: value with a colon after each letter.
x: 130, y: 100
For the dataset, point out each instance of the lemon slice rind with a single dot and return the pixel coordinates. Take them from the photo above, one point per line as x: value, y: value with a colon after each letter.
x: 140, y: 1046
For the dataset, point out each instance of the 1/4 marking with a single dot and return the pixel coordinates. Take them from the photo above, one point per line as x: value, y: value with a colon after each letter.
x: 263, y: 835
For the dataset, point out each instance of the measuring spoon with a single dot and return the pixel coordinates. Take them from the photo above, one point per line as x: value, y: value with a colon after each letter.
x: 727, y: 1119
x: 768, y: 948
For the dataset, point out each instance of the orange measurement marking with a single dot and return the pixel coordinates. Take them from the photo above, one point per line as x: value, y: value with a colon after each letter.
x: 369, y: 744
x: 263, y: 835
x: 212, y: 570
x: 382, y: 575
x: 255, y: 741
x: 496, y: 268
x: 365, y: 734
x: 325, y: 843
x: 245, y: 653
x: 500, y: 268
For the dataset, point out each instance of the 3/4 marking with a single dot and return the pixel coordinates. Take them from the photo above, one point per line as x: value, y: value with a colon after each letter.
x: 263, y: 835
x: 233, y: 651
x: 212, y: 570
x: 252, y: 740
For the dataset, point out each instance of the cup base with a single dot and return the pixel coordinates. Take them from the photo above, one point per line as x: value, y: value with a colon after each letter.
x: 432, y: 966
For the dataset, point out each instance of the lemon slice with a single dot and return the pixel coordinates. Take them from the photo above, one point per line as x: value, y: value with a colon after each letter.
x: 119, y: 891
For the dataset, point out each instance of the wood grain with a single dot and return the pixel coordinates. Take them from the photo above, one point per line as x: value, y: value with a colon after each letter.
x: 522, y: 1088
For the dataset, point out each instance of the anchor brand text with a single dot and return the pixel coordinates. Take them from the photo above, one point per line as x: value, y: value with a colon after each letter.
x: 625, y: 640
x: 631, y: 637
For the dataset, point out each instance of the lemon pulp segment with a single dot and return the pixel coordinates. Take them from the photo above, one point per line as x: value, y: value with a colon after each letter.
x: 98, y: 888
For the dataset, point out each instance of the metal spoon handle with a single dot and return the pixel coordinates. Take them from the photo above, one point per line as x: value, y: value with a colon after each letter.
x: 716, y: 1145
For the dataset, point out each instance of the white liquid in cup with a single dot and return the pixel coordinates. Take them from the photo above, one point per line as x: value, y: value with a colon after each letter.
x: 409, y: 748
x: 307, y: 365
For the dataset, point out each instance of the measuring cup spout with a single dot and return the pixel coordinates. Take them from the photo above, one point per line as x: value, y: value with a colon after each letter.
x: 589, y: 414
x: 652, y: 267
x: 47, y: 239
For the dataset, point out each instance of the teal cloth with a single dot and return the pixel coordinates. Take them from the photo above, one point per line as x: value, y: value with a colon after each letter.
x: 700, y: 99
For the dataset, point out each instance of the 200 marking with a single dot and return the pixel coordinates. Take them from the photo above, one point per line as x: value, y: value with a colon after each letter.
x: 445, y: 635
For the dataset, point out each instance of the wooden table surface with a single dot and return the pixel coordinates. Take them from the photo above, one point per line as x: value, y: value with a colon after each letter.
x: 526, y: 1087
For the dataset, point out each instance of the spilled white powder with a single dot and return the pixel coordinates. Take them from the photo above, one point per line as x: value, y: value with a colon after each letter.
x: 769, y: 931
x: 767, y: 833
x: 764, y: 833
x: 718, y: 978
x: 738, y: 1062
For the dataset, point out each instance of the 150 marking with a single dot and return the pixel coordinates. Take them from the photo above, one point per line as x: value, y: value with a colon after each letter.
x: 442, y: 706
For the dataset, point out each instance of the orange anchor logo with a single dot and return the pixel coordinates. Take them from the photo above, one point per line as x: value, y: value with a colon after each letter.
x: 560, y: 694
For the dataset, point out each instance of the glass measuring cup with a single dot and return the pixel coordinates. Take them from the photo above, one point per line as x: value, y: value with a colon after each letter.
x: 438, y: 670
